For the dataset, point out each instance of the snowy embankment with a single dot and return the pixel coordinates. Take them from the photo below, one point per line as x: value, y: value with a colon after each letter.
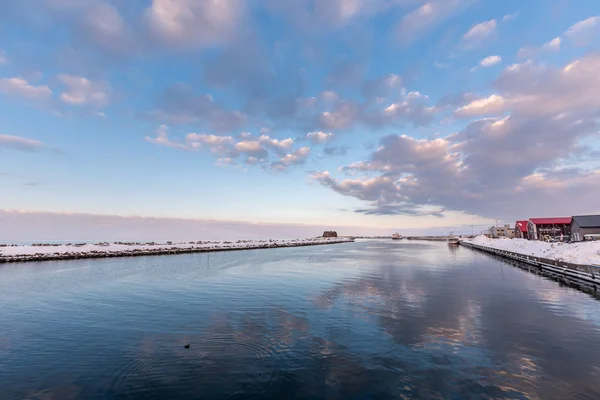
x: 43, y: 252
x: 584, y: 253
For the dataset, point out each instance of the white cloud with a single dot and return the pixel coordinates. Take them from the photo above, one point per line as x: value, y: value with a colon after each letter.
x: 420, y: 22
x: 317, y: 16
x: 82, y: 91
x: 553, y: 45
x: 478, y: 34
x: 102, y: 24
x: 491, y: 105
x: 534, y: 89
x: 278, y: 146
x: 194, y: 23
x: 20, y: 143
x: 227, y: 150
x: 490, y: 61
x: 580, y: 34
x: 298, y: 157
x: 19, y: 87
x: 319, y: 137
x: 209, y: 140
x: 510, y: 17
x: 329, y: 96
x: 162, y: 139
x: 478, y: 169
x: 3, y: 59
x: 585, y: 31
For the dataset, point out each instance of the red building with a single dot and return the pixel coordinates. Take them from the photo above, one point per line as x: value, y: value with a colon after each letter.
x: 554, y: 228
x: 521, y: 230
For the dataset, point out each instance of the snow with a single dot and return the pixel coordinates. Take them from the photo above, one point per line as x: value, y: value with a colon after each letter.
x: 80, y: 250
x: 584, y: 253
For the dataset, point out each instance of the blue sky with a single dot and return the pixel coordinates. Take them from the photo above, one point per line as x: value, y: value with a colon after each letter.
x: 363, y: 115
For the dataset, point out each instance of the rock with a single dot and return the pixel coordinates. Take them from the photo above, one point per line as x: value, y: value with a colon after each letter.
x: 187, y: 346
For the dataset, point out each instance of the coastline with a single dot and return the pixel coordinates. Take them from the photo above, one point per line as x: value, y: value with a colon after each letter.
x: 50, y: 252
x: 580, y: 253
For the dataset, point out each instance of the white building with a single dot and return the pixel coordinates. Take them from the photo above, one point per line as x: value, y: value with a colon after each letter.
x: 502, y: 231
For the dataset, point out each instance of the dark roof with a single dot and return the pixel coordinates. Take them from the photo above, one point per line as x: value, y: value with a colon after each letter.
x: 550, y: 221
x: 522, y: 225
x: 587, y: 221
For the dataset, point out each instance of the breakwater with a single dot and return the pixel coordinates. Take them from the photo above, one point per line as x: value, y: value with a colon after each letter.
x: 429, y: 238
x: 105, y: 250
x: 561, y: 270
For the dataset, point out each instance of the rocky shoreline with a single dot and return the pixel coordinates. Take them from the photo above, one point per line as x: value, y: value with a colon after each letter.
x: 51, y: 252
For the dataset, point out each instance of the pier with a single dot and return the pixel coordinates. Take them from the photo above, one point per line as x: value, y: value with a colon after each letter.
x: 560, y: 270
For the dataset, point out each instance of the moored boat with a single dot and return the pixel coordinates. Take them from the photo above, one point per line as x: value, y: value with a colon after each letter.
x: 453, y: 240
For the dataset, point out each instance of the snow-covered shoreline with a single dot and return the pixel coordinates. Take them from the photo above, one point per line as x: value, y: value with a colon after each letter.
x: 583, y: 253
x: 47, y: 252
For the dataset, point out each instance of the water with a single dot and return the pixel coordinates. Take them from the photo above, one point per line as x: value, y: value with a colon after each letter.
x: 366, y: 320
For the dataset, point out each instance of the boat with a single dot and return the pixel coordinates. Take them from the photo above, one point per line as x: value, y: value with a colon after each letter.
x: 452, y: 240
x: 396, y: 236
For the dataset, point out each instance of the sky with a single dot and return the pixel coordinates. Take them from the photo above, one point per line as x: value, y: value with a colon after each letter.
x: 272, y: 117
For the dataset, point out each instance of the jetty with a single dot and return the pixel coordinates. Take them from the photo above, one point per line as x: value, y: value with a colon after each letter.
x: 563, y: 264
x: 52, y: 252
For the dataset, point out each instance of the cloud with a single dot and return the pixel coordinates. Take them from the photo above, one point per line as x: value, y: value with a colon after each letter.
x: 228, y: 150
x: 319, y: 137
x: 479, y: 34
x: 335, y: 150
x: 510, y: 17
x: 95, y: 23
x: 102, y: 25
x: 252, y: 148
x: 553, y: 45
x: 381, y: 87
x: 3, y: 58
x: 278, y: 146
x: 162, y: 139
x: 179, y: 104
x: 579, y: 34
x: 81, y: 91
x: 311, y: 17
x: 191, y: 23
x: 411, y: 107
x: 491, y: 105
x: 20, y: 143
x: 298, y: 157
x: 490, y: 61
x: 531, y: 146
x: 419, y: 23
x: 19, y: 87
x: 534, y: 89
x: 584, y: 32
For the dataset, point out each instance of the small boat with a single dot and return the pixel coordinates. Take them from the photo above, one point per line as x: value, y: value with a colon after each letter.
x: 396, y: 236
x: 453, y: 240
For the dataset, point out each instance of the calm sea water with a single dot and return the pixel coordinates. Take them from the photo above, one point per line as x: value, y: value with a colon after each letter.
x: 366, y: 320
